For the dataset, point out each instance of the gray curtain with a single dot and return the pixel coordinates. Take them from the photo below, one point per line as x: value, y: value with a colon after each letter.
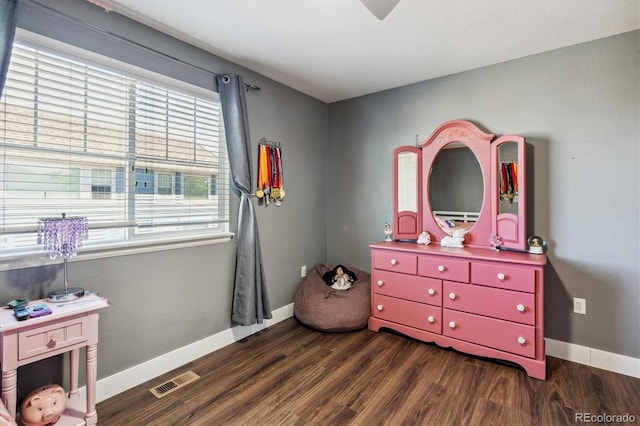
x: 8, y: 15
x: 250, y: 299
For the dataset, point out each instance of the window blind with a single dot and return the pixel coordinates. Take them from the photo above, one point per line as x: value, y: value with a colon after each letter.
x: 135, y: 156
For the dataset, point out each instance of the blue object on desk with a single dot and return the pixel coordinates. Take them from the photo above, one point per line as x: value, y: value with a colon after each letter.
x: 38, y: 310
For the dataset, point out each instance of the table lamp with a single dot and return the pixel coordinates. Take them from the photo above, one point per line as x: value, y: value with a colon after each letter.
x: 62, y: 236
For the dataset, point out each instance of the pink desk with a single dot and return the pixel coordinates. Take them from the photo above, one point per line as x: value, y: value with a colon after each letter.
x: 68, y: 328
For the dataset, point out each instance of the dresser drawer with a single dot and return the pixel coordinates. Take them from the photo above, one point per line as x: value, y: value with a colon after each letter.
x: 413, y: 314
x: 40, y: 340
x: 499, y: 334
x: 410, y: 287
x: 443, y: 268
x: 395, y: 261
x: 504, y: 276
x: 492, y: 302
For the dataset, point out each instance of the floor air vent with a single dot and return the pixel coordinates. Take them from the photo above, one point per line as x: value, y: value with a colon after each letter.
x: 174, y: 384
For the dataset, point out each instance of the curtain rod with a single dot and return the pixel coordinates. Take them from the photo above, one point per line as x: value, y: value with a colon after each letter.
x: 135, y: 43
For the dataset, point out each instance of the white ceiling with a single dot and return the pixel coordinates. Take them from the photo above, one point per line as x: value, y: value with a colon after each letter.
x: 336, y: 49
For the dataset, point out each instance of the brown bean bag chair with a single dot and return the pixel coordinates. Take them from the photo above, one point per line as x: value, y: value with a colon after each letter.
x: 323, y: 308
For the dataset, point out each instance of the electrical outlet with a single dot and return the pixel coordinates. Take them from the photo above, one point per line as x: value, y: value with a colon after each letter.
x: 579, y: 306
x: 303, y: 271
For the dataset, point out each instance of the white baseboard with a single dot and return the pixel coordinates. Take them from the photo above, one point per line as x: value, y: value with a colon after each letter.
x: 120, y: 382
x: 126, y: 379
x: 593, y: 357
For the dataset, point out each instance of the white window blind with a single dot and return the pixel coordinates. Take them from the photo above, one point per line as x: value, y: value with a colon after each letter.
x: 137, y: 157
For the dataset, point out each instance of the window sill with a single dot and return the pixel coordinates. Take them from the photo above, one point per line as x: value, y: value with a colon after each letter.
x: 120, y: 249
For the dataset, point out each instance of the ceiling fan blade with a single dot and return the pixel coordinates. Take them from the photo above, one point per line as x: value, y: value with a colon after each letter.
x: 380, y: 8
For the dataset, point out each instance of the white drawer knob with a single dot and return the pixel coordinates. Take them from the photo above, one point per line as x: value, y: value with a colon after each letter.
x: 441, y: 268
x: 431, y: 292
x: 55, y: 338
x: 380, y: 283
x: 501, y: 276
x: 520, y: 307
x: 431, y: 319
x: 452, y: 324
x: 379, y: 308
x: 522, y: 340
x: 394, y: 262
x: 452, y: 296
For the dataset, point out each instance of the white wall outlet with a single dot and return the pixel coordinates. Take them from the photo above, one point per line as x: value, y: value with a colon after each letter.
x: 579, y: 306
x: 303, y: 271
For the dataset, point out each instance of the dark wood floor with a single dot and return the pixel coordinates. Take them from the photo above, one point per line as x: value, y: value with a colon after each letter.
x: 291, y: 375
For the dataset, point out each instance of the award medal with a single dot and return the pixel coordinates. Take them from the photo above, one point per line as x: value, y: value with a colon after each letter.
x: 270, y: 181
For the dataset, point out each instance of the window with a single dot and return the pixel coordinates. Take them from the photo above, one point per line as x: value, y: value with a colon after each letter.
x: 165, y: 184
x: 101, y: 183
x: 142, y: 159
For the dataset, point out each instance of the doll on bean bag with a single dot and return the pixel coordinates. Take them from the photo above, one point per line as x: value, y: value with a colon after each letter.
x: 339, y: 278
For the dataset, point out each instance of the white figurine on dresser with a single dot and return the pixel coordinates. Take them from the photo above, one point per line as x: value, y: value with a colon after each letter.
x: 387, y: 232
x: 456, y: 239
x: 424, y: 238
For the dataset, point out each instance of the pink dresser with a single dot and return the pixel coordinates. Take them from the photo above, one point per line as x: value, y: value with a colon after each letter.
x: 476, y: 300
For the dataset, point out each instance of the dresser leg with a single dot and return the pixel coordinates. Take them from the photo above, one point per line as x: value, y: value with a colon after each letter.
x: 91, y: 418
x: 9, y: 390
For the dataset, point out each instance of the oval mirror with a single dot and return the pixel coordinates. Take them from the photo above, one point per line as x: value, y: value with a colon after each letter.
x: 456, y: 188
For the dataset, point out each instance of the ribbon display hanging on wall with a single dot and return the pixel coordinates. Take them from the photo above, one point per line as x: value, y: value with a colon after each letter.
x: 270, y: 174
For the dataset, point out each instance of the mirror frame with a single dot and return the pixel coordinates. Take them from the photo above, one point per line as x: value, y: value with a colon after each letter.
x: 478, y: 142
x: 510, y: 227
x: 406, y: 224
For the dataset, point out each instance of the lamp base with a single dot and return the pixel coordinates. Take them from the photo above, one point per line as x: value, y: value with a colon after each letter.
x: 65, y: 295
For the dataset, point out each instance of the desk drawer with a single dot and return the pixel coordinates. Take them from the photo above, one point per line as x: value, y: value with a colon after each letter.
x: 418, y: 315
x: 443, y: 268
x: 409, y: 287
x: 504, y: 276
x: 40, y: 340
x: 395, y: 261
x: 503, y: 335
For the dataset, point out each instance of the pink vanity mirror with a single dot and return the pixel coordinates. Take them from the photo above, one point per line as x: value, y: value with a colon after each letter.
x: 460, y: 178
x: 509, y: 199
x: 407, y: 175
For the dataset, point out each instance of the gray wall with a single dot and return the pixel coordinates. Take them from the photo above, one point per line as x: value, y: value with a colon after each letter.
x: 164, y: 300
x: 578, y: 109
